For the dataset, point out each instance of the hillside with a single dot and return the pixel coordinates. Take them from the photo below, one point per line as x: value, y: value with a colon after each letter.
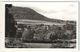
x: 28, y: 13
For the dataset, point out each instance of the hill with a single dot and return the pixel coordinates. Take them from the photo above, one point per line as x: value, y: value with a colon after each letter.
x: 28, y: 13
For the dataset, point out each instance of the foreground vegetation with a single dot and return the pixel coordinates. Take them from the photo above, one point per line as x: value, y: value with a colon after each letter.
x: 57, y: 36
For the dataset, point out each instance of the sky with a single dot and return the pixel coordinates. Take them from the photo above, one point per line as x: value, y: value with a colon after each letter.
x: 54, y: 10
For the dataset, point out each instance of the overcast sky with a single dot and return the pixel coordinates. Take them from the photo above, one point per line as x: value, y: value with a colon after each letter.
x: 57, y: 10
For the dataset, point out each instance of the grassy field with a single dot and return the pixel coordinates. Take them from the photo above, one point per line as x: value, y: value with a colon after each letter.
x: 49, y: 45
x: 20, y: 44
x: 25, y: 21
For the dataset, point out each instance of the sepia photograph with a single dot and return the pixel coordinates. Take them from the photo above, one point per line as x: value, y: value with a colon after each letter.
x: 41, y: 25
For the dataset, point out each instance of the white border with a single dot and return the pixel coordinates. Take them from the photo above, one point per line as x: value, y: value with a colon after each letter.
x: 2, y: 39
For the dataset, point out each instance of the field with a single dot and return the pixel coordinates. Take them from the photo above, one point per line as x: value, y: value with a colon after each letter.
x: 26, y: 21
x: 20, y: 44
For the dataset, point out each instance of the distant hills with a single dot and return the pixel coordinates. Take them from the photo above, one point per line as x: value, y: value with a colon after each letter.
x: 28, y: 13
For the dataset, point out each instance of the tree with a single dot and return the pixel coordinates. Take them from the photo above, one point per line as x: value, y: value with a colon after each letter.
x: 10, y: 29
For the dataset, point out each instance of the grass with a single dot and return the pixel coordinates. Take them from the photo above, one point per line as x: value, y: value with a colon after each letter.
x: 17, y: 43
